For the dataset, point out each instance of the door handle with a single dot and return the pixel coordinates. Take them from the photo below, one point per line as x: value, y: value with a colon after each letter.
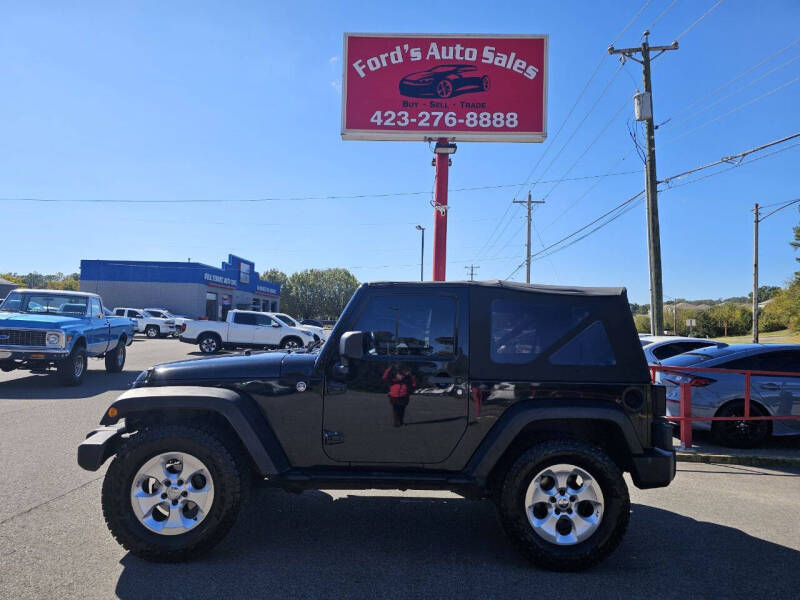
x: 770, y: 386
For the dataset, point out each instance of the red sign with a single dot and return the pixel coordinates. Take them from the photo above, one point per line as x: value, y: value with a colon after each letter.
x: 463, y: 87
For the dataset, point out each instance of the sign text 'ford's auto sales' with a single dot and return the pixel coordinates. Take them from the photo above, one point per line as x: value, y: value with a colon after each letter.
x: 467, y: 87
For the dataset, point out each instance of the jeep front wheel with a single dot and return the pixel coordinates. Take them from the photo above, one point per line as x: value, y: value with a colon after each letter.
x: 174, y: 491
x: 565, y: 505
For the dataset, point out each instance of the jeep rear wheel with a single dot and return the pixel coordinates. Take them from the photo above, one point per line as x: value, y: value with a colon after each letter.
x: 174, y: 491
x: 565, y: 505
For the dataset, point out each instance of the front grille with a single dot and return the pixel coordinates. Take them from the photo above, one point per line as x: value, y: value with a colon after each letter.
x: 22, y: 337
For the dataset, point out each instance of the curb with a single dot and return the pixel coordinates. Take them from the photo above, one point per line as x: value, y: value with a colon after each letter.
x: 751, y: 460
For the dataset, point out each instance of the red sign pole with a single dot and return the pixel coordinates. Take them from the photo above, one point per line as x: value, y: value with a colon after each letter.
x: 440, y: 215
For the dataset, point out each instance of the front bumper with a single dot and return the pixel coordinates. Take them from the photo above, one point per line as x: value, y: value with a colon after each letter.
x: 32, y: 353
x: 100, y: 444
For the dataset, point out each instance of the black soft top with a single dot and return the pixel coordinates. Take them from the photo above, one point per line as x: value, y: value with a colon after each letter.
x: 509, y: 285
x: 560, y: 316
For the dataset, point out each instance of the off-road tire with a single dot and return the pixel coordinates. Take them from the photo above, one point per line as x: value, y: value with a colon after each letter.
x: 113, y: 362
x: 511, y: 505
x: 205, y: 348
x: 152, y: 331
x: 229, y: 469
x: 66, y: 367
x: 727, y: 433
x: 285, y: 342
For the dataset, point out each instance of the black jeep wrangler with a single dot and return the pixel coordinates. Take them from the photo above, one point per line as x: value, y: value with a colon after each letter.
x: 536, y: 397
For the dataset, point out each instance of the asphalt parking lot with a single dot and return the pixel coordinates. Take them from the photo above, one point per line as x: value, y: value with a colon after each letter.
x: 719, y: 530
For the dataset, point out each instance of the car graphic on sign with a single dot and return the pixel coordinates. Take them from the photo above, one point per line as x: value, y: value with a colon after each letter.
x: 444, y: 81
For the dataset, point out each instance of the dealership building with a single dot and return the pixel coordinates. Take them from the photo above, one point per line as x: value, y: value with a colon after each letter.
x: 184, y: 288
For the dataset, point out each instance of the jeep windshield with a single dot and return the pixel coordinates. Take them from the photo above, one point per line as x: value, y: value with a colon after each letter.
x: 58, y: 304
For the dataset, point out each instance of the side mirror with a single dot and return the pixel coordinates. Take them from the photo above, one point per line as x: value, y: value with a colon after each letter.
x: 275, y: 324
x: 351, y: 345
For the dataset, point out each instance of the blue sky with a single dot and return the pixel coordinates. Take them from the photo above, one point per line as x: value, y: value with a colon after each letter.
x: 188, y: 100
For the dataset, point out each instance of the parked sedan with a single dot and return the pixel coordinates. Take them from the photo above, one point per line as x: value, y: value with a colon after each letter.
x: 660, y: 347
x: 722, y: 394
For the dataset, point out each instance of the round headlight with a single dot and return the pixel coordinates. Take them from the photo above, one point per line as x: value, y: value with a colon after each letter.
x: 53, y: 339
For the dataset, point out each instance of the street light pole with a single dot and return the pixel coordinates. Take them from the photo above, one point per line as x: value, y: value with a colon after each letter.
x: 421, y: 253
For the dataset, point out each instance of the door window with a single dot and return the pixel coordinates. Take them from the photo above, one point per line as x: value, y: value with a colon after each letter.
x: 95, y: 307
x: 264, y: 320
x: 409, y: 325
x: 120, y: 312
x: 245, y: 319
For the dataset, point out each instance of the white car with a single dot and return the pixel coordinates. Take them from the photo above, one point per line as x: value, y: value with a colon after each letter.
x: 163, y: 313
x: 319, y: 333
x: 244, y: 329
x: 660, y: 347
x: 152, y: 327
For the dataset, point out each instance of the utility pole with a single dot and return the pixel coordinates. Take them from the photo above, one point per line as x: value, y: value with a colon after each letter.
x: 471, y: 270
x: 645, y: 108
x: 528, y: 252
x: 421, y: 229
x: 755, y: 273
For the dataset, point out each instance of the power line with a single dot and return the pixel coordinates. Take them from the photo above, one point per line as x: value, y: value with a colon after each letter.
x: 733, y: 110
x: 628, y: 204
x: 703, y: 16
x: 733, y: 93
x: 563, y: 124
x: 734, y: 79
x: 784, y: 205
x: 301, y: 198
x: 661, y: 16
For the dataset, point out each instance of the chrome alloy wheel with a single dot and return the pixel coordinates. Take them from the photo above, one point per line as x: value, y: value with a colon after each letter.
x: 78, y: 365
x: 564, y: 504
x: 172, y: 493
x: 209, y: 344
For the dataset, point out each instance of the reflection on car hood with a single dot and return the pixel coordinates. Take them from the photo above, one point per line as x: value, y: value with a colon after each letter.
x: 37, y: 321
x: 233, y: 368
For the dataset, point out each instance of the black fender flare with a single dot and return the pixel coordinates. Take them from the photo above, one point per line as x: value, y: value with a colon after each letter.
x: 239, y: 410
x: 502, y: 435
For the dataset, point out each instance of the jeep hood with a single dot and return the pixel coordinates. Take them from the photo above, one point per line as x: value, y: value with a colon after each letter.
x: 228, y: 369
x: 37, y: 321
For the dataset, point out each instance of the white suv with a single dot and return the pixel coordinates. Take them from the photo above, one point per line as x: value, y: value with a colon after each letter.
x: 152, y: 327
x: 319, y: 333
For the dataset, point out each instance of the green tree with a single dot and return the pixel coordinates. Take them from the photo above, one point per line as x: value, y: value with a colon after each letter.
x: 274, y: 276
x: 642, y: 323
x: 318, y: 292
x: 765, y: 292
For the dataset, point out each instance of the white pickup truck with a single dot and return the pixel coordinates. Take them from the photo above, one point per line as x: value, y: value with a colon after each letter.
x: 152, y: 327
x: 244, y: 329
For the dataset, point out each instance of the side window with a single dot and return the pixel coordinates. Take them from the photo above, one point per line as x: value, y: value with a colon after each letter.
x: 244, y: 319
x: 591, y: 347
x: 264, y: 320
x: 409, y: 325
x: 94, y: 307
x: 784, y: 361
x: 670, y: 350
x: 522, y: 331
x: 120, y: 312
x: 748, y: 363
x: 135, y: 314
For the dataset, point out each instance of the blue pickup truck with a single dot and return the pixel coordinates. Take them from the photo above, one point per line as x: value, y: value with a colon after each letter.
x: 42, y: 330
